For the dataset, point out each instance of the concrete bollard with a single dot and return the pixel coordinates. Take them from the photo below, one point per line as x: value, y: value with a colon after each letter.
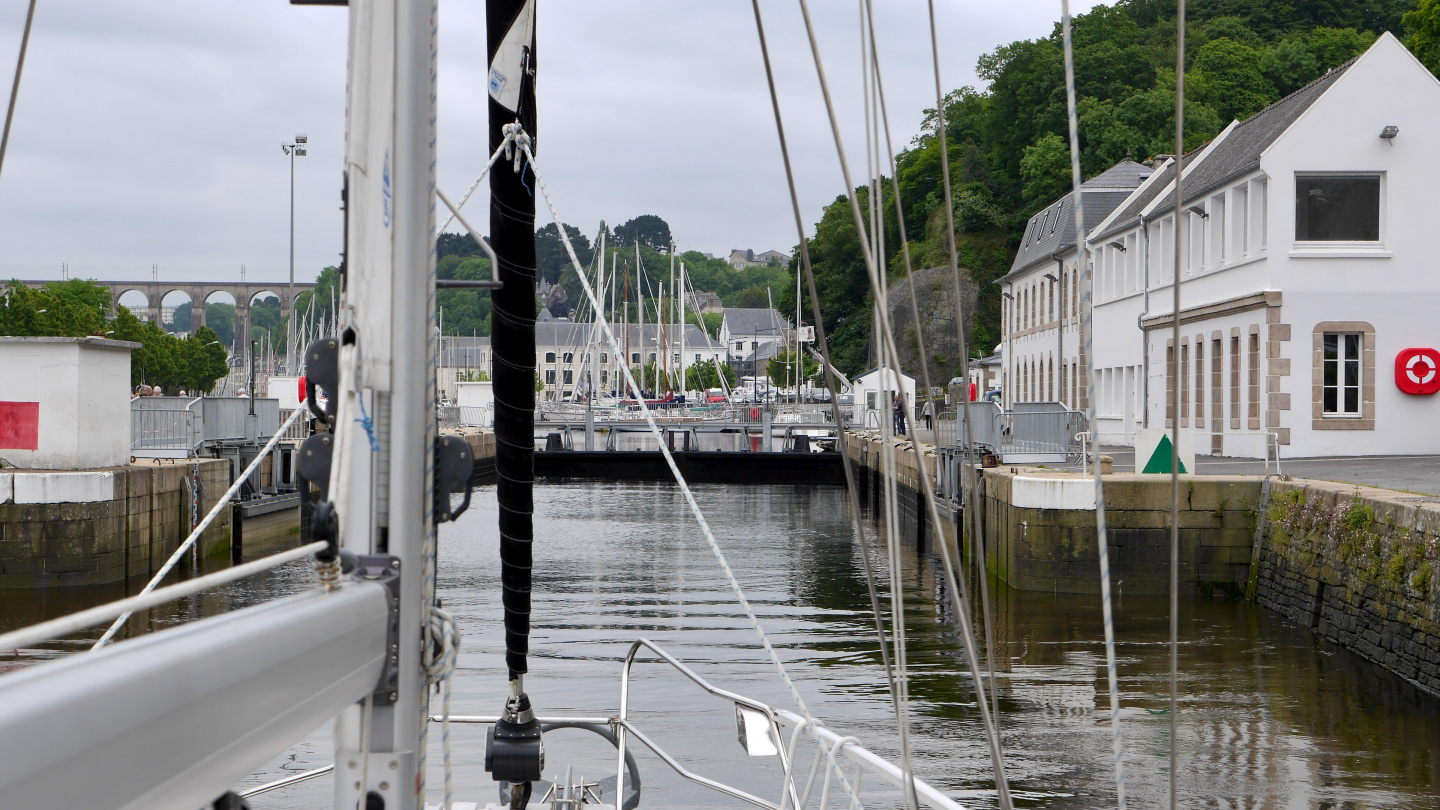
x: 1107, y: 465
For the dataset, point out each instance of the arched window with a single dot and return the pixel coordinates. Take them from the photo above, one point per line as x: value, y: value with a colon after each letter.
x: 549, y: 357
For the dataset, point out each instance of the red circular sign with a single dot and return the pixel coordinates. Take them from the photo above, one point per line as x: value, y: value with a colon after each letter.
x: 1417, y: 371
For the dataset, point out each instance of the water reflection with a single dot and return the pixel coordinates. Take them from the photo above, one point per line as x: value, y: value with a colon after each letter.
x: 1270, y: 717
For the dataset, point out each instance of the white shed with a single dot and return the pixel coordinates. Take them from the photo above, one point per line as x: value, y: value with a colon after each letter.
x: 65, y: 402
x: 875, y: 389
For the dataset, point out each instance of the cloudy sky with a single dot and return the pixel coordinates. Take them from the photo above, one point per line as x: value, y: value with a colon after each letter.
x: 148, y: 133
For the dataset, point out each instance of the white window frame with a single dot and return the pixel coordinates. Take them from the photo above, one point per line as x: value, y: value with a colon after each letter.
x: 1331, y: 249
x: 1340, y: 387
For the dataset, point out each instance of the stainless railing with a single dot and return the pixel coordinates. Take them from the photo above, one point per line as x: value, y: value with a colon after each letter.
x: 761, y: 730
x: 158, y: 428
x: 164, y: 432
x: 1048, y: 436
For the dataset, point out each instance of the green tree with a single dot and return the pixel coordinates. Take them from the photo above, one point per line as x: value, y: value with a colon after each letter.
x: 782, y: 367
x: 709, y: 322
x: 1045, y: 169
x: 1228, y: 77
x: 220, y: 318
x: 551, y: 258
x: 200, y: 361
x: 1289, y: 65
x: 703, y: 376
x: 649, y: 230
x: 1422, y: 33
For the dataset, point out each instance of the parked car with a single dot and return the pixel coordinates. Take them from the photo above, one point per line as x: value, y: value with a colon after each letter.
x: 715, y: 395
x: 739, y: 395
x: 847, y: 405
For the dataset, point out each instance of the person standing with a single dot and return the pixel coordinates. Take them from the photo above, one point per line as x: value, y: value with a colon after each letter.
x: 898, y: 409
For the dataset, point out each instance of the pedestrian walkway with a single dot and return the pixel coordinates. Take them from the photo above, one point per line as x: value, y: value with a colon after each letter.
x: 1418, y: 474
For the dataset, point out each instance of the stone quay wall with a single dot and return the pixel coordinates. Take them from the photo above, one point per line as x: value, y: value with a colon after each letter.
x: 101, y: 526
x: 1358, y: 566
x: 1040, y: 531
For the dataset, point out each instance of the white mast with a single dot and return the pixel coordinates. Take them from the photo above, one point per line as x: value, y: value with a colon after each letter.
x: 684, y: 388
x: 640, y: 306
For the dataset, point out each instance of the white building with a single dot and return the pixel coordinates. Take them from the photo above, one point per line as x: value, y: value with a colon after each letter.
x: 64, y: 403
x: 749, y: 334
x: 1307, y: 283
x: 740, y: 259
x: 1041, y: 351
x: 875, y: 395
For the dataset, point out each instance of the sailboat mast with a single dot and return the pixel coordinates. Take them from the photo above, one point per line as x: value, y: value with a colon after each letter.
x: 510, y: 31
x: 683, y: 386
x: 640, y: 307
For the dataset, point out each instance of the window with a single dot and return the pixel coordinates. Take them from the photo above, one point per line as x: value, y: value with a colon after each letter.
x: 1235, y: 381
x: 754, y: 345
x: 549, y: 357
x: 1337, y: 208
x: 569, y: 376
x: 1340, y: 375
x: 739, y: 345
x: 1217, y: 216
x: 604, y: 358
x: 549, y: 376
x: 652, y: 357
x: 634, y: 358
x: 1240, y: 228
x: 697, y: 359
x: 569, y: 358
x: 604, y: 378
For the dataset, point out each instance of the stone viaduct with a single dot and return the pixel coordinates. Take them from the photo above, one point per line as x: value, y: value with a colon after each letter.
x: 199, y: 291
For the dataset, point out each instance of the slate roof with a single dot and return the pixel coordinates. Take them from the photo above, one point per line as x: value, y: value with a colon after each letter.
x: 1052, y: 229
x: 1236, y: 155
x: 755, y: 321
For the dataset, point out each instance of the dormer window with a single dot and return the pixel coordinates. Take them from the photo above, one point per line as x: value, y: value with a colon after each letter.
x: 1057, y: 219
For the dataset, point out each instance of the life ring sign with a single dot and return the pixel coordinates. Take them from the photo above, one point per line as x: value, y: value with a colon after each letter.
x: 1417, y: 371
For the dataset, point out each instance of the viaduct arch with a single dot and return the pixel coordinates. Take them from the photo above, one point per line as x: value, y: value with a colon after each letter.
x: 155, y: 292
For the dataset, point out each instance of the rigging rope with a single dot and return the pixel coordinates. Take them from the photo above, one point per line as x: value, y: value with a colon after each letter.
x: 970, y: 508
x: 874, y: 106
x: 523, y: 141
x: 1087, y: 314
x: 961, y: 599
x: 179, y: 552
x: 15, y: 89
x: 1175, y: 394
x: 830, y: 381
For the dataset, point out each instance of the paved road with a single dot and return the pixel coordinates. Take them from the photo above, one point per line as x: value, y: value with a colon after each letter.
x: 1419, y: 474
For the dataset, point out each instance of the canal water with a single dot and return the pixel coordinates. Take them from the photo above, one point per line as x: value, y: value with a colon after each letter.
x: 1270, y: 717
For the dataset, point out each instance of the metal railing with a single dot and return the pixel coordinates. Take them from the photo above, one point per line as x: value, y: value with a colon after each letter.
x: 761, y: 730
x: 227, y: 418
x: 160, y: 428
x: 299, y: 430
x: 164, y: 432
x: 1048, y: 436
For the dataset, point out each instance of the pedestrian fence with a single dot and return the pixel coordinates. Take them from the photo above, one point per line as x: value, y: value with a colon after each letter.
x: 1027, y: 435
x: 164, y: 433
x: 177, y: 427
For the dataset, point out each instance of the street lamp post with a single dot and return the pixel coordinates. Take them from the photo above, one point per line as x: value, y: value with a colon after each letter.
x: 292, y: 150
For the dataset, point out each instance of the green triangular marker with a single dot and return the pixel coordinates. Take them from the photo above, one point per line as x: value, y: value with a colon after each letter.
x: 1160, y: 459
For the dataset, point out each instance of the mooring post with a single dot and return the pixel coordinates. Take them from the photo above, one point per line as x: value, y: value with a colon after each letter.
x: 589, y: 430
x: 765, y: 442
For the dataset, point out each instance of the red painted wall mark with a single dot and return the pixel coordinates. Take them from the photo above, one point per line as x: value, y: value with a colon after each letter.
x: 19, y: 425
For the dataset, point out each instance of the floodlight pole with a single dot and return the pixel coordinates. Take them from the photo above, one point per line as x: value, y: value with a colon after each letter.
x: 292, y: 150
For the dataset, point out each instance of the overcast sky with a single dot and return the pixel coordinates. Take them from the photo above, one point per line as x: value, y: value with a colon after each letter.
x: 148, y: 132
